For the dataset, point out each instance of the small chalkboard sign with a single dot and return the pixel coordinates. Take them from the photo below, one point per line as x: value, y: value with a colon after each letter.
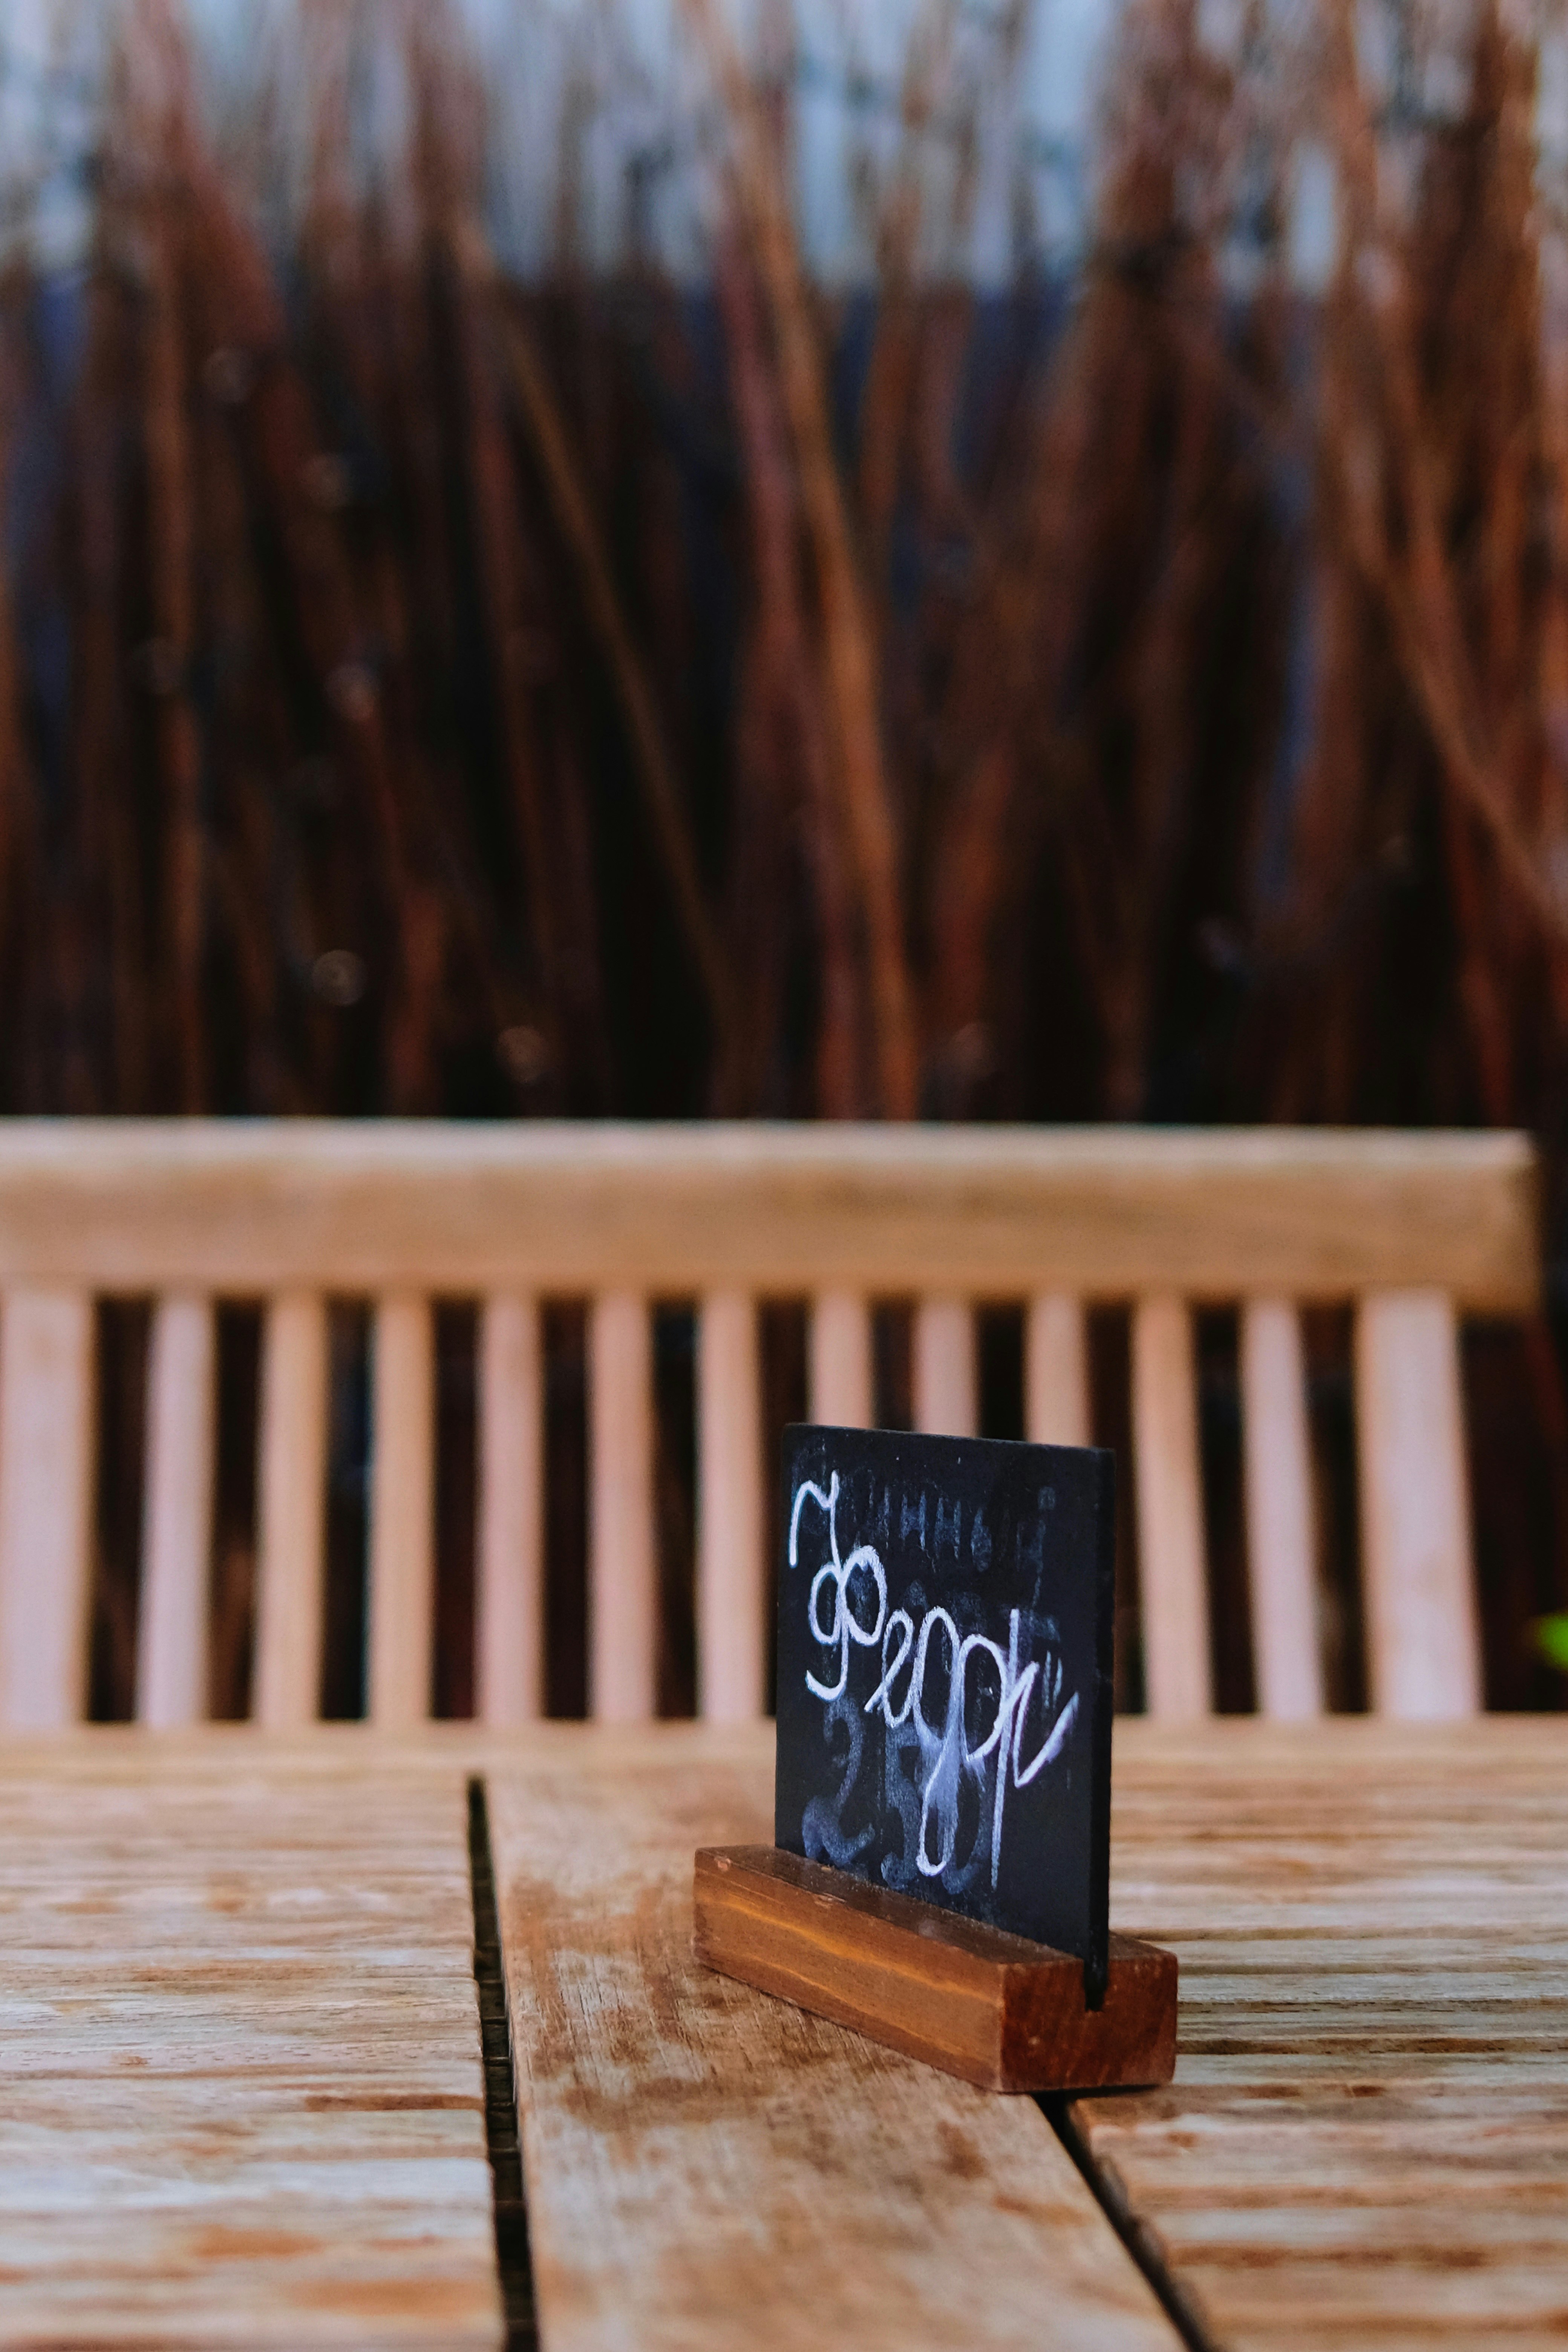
x: 945, y: 1676
x: 942, y: 1789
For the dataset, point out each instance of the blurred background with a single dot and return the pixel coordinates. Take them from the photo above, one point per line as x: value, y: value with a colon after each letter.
x: 983, y: 559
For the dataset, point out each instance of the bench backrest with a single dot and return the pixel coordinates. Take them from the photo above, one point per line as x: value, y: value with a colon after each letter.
x: 1412, y: 1230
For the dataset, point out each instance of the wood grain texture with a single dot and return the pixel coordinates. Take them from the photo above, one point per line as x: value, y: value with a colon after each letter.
x: 1098, y: 1212
x: 509, y: 1633
x: 946, y: 1381
x: 211, y: 2132
x: 176, y: 1536
x: 839, y: 1378
x: 402, y: 1511
x: 623, y: 1564
x: 1172, y: 1583
x: 47, y: 1458
x: 988, y: 2007
x: 241, y: 2100
x: 1056, y: 1371
x: 291, y: 1511
x: 708, y: 2167
x: 1421, y: 1638
x: 732, y: 1582
x: 1366, y: 2141
x: 1281, y: 1546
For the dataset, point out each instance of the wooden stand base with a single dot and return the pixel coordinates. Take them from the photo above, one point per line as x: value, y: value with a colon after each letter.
x: 1001, y: 2011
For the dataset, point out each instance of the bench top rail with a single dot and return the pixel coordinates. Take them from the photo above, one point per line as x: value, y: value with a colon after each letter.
x: 252, y: 1207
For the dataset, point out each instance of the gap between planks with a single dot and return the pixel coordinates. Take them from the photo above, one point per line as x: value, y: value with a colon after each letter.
x: 1139, y: 2238
x: 502, y: 2144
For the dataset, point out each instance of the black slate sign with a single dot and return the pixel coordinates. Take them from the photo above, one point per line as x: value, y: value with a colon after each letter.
x: 944, y: 1675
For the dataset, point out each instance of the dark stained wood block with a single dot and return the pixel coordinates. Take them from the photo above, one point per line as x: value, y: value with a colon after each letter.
x: 973, y: 1999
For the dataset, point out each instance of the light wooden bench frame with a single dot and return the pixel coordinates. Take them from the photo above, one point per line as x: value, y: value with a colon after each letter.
x: 1414, y: 1230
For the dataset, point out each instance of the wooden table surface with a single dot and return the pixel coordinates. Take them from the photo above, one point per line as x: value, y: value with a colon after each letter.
x: 1366, y: 2143
x: 242, y: 2102
x: 240, y: 2092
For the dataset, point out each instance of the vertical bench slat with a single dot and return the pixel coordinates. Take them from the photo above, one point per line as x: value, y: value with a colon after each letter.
x: 1056, y: 1371
x: 732, y: 1644
x: 291, y: 1511
x: 510, y: 1595
x: 176, y: 1524
x: 1422, y: 1642
x: 1171, y: 1583
x: 47, y: 1471
x: 840, y: 1385
x: 1281, y: 1552
x: 946, y: 1385
x: 623, y: 1565
x: 402, y: 1511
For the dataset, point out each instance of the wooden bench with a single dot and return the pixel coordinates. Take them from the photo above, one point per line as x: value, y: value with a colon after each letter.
x: 1412, y: 1230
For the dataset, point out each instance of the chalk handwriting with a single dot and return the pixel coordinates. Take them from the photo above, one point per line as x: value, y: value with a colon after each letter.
x: 980, y: 1726
x: 844, y: 1627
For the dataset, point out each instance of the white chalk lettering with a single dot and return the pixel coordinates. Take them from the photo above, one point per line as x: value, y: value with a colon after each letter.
x: 844, y: 1626
x: 947, y: 1750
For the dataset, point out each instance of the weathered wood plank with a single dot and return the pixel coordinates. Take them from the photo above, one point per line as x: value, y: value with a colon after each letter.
x: 946, y: 1378
x: 707, y: 2166
x: 1100, y: 1212
x: 1281, y: 1552
x: 47, y: 1454
x: 622, y: 1618
x: 839, y: 1376
x: 1366, y: 2142
x: 1173, y: 1585
x: 732, y: 1632
x: 402, y: 1595
x: 176, y: 1539
x: 241, y: 2101
x: 1056, y: 1371
x: 508, y: 1635
x: 1421, y: 1638
x: 291, y: 1511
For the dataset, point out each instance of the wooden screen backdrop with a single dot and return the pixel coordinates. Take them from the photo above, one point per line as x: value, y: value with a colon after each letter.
x: 1412, y: 1230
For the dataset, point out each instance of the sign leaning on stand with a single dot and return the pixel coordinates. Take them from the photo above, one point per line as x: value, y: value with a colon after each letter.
x: 941, y: 1873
